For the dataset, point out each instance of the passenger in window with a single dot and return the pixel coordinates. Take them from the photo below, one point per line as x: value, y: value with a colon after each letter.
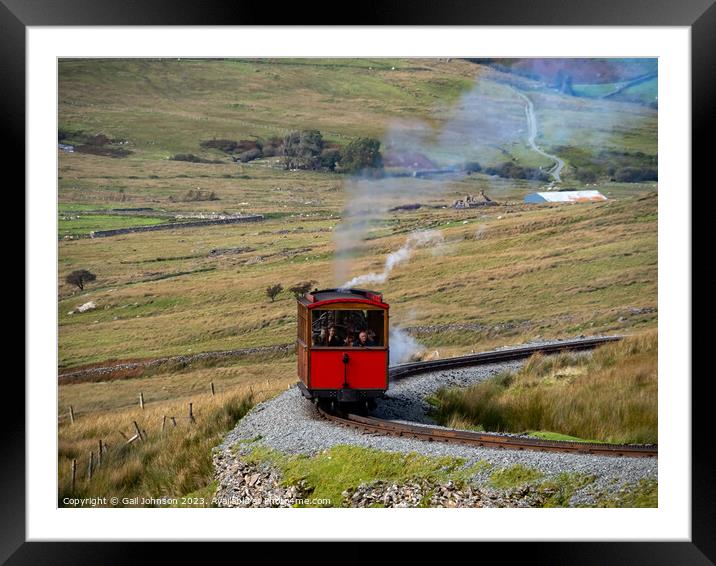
x: 331, y: 339
x: 371, y: 337
x: 363, y: 340
x: 350, y: 339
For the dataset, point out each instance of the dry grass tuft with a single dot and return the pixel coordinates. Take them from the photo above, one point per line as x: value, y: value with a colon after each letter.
x: 171, y: 463
x: 610, y: 396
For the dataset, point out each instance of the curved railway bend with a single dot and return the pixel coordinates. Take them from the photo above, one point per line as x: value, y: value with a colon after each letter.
x: 291, y: 425
x: 513, y: 442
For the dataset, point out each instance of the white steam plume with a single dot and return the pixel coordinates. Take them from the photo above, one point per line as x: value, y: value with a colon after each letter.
x: 402, y: 346
x: 414, y: 241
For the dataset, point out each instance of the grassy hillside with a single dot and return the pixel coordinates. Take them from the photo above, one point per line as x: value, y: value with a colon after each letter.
x: 450, y: 111
x: 167, y: 293
x: 555, y: 269
x: 505, y: 274
x: 557, y: 395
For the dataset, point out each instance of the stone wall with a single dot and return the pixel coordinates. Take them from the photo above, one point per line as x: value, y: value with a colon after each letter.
x: 173, y: 225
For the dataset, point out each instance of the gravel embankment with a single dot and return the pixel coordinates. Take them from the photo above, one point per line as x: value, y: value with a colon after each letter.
x: 290, y: 423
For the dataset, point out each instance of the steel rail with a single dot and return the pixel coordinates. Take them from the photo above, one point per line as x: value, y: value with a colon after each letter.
x: 489, y: 440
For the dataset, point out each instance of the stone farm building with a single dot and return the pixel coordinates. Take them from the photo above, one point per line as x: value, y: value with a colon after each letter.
x: 565, y: 196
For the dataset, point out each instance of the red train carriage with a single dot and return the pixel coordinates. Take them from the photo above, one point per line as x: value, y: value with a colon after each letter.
x: 343, y: 345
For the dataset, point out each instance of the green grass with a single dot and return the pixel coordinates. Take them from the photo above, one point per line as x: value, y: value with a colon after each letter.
x: 514, y: 476
x: 560, y: 489
x: 609, y: 397
x: 645, y: 92
x: 599, y: 260
x: 86, y: 223
x: 644, y: 494
x: 164, y: 107
x: 595, y: 90
x: 547, y: 435
x: 77, y: 207
x: 343, y: 468
x: 534, y: 271
x: 330, y: 473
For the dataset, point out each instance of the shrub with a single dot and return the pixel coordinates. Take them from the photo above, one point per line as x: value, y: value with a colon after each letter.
x: 330, y: 157
x: 231, y: 146
x: 360, y: 155
x: 636, y: 174
x: 270, y: 151
x: 586, y: 176
x: 98, y: 139
x: 192, y: 158
x: 272, y: 291
x: 227, y: 146
x: 510, y: 170
x: 195, y: 195
x: 79, y: 277
x: 246, y: 145
x: 302, y: 150
x: 272, y: 147
x: 299, y: 289
x: 249, y: 155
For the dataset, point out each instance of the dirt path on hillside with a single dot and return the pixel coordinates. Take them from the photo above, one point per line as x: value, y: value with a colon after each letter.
x: 556, y: 169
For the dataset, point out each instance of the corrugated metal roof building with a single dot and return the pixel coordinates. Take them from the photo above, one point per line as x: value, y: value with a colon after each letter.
x: 565, y: 196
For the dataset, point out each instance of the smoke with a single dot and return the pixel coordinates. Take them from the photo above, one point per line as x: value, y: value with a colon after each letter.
x: 414, y: 241
x: 476, y: 127
x: 402, y: 346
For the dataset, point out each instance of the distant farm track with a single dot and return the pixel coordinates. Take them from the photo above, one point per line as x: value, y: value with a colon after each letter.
x: 556, y: 169
x: 374, y: 425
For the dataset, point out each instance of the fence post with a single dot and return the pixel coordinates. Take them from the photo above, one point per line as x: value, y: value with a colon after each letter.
x: 89, y: 465
x: 174, y: 420
x: 72, y: 415
x: 164, y: 422
x: 211, y: 383
x: 191, y: 413
x: 139, y: 432
x: 74, y: 475
x: 99, y: 454
x: 141, y: 400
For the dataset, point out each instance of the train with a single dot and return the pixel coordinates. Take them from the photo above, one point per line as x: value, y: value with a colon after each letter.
x: 342, y: 346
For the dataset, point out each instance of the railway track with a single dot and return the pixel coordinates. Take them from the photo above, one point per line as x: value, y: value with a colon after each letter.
x: 375, y: 425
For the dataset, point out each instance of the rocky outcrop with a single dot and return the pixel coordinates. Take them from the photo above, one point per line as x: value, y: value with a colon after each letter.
x: 423, y: 493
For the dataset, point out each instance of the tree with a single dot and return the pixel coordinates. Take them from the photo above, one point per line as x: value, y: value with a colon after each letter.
x: 586, y: 175
x: 302, y: 149
x: 360, y: 155
x: 79, y: 277
x: 330, y: 157
x: 301, y: 288
x: 273, y: 290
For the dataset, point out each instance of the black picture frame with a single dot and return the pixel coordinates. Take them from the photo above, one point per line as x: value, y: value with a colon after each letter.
x: 699, y: 15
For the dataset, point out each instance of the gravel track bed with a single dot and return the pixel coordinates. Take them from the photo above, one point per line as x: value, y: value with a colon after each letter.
x: 291, y: 424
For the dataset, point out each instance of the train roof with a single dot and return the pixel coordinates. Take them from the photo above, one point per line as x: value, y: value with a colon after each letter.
x: 316, y: 297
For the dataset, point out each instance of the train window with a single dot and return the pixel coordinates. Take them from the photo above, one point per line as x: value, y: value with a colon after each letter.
x: 342, y: 328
